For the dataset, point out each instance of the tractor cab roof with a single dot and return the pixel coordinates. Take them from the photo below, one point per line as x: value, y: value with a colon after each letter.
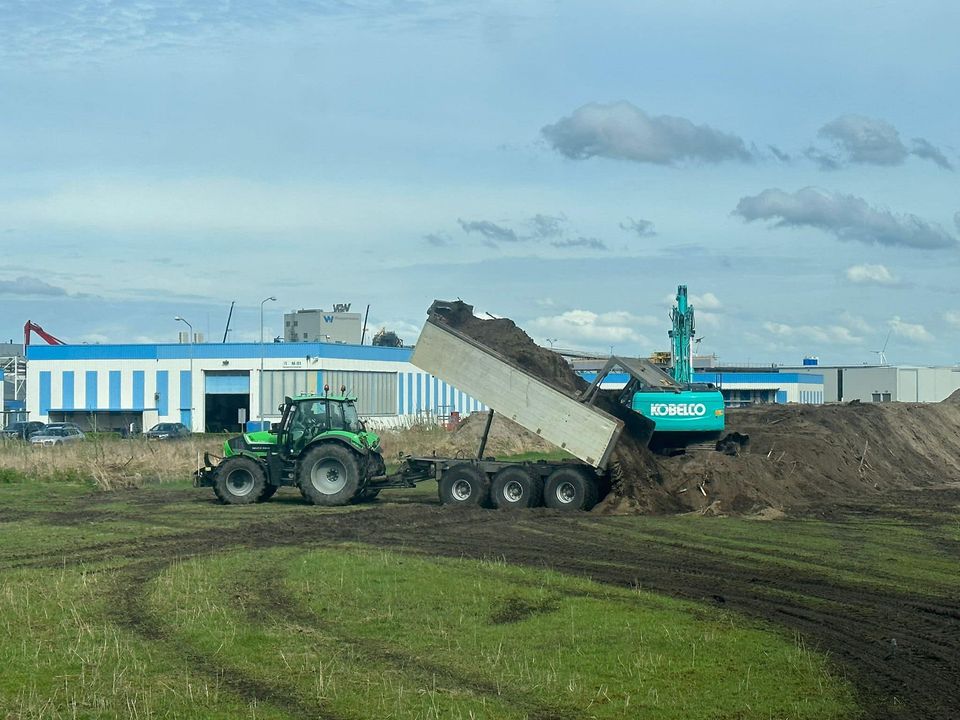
x: 309, y: 397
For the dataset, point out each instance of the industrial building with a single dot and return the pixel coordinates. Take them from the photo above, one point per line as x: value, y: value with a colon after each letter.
x: 884, y: 383
x: 217, y: 387
x: 331, y: 326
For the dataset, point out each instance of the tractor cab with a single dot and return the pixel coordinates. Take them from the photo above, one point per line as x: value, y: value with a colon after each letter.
x: 308, y: 417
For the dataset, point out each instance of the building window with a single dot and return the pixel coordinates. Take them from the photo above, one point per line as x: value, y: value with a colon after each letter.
x: 875, y: 397
x: 305, y: 336
x: 885, y: 397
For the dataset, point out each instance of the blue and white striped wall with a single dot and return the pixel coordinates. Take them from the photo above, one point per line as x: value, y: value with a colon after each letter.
x: 167, y: 383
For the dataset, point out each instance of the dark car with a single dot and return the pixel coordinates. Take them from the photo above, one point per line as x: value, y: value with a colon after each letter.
x: 167, y: 431
x: 21, y: 430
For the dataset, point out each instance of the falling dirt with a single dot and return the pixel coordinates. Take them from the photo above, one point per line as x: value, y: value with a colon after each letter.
x: 801, y: 457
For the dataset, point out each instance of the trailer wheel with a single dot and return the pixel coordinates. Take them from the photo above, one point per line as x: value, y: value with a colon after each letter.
x: 569, y: 489
x: 239, y: 481
x: 464, y: 485
x: 514, y: 487
x: 328, y: 475
x: 268, y: 492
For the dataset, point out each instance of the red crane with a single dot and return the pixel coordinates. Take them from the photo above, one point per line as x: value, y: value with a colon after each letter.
x: 31, y: 326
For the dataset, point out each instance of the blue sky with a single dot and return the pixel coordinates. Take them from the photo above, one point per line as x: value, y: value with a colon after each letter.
x: 566, y: 164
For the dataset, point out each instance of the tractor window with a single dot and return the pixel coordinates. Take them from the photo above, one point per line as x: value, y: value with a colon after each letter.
x: 308, y: 420
x: 351, y: 421
x: 336, y: 416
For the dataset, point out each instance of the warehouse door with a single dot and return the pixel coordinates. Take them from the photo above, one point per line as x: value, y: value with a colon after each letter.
x: 225, y: 394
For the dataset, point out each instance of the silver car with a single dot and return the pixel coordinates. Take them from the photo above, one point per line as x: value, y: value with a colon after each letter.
x: 57, y: 436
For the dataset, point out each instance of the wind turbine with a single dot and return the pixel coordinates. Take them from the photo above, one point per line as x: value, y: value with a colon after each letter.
x: 881, y: 354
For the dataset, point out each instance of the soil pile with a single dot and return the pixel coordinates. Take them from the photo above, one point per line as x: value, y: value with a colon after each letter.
x: 637, y: 485
x: 805, y: 457
x: 506, y: 437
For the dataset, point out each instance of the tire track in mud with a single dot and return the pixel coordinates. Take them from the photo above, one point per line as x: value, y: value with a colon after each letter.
x: 265, y: 590
x: 130, y: 610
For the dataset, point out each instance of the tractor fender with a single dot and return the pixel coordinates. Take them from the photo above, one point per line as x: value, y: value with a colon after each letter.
x: 334, y: 439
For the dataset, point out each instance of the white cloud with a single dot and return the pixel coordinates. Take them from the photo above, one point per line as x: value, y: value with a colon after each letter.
x: 578, y: 328
x: 910, y: 331
x: 870, y: 275
x: 855, y: 322
x: 829, y: 334
x: 952, y: 317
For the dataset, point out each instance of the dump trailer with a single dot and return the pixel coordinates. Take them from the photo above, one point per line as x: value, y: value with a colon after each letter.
x: 323, y: 448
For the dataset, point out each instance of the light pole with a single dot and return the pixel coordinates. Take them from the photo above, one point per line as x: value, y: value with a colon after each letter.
x: 180, y: 319
x: 551, y: 341
x: 260, y: 384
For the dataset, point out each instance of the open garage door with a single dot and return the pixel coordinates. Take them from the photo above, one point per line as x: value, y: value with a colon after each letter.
x: 226, y: 393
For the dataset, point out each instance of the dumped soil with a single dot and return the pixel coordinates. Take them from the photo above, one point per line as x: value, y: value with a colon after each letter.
x: 801, y: 457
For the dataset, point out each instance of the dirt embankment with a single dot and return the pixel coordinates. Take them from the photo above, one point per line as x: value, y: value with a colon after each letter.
x: 809, y: 457
x: 801, y: 457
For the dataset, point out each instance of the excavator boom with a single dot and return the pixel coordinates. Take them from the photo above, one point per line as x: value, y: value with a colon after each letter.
x: 31, y: 327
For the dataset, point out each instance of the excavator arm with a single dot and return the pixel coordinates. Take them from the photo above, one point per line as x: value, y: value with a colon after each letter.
x: 31, y: 327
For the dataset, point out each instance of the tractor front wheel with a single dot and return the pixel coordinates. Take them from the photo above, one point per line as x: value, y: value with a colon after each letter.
x: 328, y: 475
x: 239, y: 480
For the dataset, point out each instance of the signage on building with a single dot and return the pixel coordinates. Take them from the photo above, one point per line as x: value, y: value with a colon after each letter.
x: 292, y: 364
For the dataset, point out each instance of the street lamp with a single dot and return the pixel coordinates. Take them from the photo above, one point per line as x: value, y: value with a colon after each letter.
x: 180, y: 319
x: 551, y: 341
x: 260, y: 384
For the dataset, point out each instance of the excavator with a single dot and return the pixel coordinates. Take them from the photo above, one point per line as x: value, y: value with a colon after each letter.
x: 31, y: 327
x: 686, y: 414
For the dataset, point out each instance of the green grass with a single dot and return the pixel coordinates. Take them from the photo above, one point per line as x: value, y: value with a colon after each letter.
x: 349, y: 631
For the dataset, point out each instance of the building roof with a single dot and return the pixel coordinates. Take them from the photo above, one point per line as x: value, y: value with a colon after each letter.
x: 214, y: 351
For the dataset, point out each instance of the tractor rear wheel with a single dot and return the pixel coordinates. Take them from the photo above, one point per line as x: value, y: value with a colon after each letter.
x: 569, y: 489
x: 514, y: 487
x: 463, y: 484
x: 328, y: 475
x: 239, y: 481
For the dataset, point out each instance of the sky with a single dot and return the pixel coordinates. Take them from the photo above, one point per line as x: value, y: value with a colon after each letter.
x: 565, y: 164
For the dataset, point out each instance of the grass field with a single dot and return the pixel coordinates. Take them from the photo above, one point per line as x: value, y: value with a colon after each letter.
x: 156, y: 602
x: 112, y: 606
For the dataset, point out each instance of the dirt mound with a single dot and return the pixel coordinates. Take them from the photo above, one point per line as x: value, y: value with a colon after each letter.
x: 808, y: 457
x: 506, y: 437
x: 953, y: 398
x: 801, y: 457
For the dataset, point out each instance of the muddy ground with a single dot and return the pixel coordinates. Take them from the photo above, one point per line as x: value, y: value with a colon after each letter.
x: 900, y: 650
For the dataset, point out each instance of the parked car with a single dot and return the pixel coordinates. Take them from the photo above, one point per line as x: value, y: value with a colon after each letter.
x: 63, y: 425
x: 21, y: 430
x: 167, y: 431
x: 57, y: 436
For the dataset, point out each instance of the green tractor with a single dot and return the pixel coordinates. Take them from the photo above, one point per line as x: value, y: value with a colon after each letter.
x: 320, y: 445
